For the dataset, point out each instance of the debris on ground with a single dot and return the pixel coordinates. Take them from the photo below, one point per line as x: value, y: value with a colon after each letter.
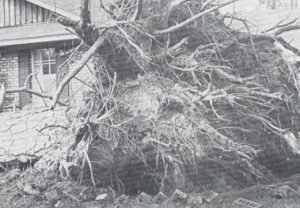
x: 205, y: 117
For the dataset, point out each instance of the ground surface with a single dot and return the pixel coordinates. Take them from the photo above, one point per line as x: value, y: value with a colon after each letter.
x: 29, y: 133
x: 52, y: 193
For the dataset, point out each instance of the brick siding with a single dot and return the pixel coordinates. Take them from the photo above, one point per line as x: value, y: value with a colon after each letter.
x: 9, y: 73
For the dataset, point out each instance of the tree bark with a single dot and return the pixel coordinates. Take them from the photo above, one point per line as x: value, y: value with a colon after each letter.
x: 76, y: 69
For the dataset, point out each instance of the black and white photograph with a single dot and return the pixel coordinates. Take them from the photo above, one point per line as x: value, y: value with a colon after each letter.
x: 149, y: 104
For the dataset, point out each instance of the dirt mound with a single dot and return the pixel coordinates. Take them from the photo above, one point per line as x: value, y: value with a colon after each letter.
x: 202, y: 108
x: 159, y: 137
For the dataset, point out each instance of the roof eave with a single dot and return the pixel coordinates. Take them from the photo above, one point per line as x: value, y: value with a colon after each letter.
x: 34, y: 40
x: 55, y: 10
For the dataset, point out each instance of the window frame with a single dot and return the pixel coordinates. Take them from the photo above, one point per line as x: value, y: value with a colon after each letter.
x: 39, y: 61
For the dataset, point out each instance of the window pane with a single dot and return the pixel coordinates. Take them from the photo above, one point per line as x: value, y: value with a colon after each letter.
x: 53, y: 69
x: 44, y: 59
x: 36, y: 55
x: 51, y: 53
x: 45, y: 54
x: 46, y: 69
x: 48, y: 54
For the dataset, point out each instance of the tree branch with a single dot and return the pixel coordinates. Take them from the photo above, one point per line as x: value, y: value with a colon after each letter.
x: 85, y: 14
x: 279, y: 25
x: 83, y: 28
x: 287, y: 46
x: 205, y: 4
x: 24, y: 89
x: 67, y: 22
x: 190, y: 20
x: 86, y: 57
x: 175, y: 4
x: 29, y: 91
x: 138, y: 11
x: 287, y: 29
x: 272, y: 38
x: 231, y: 78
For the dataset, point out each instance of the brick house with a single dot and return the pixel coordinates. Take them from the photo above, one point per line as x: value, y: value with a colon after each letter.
x: 31, y: 42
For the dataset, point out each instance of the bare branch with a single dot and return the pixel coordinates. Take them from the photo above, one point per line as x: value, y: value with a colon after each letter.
x: 190, y: 20
x: 67, y: 22
x: 287, y: 29
x: 106, y: 10
x: 275, y: 96
x: 29, y: 91
x: 288, y: 46
x: 24, y: 89
x: 271, y: 37
x: 177, y: 47
x: 279, y: 25
x: 138, y: 11
x: 85, y: 14
x: 83, y: 28
x: 176, y: 3
x: 86, y: 57
x: 133, y: 44
x: 238, y: 80
x: 205, y: 4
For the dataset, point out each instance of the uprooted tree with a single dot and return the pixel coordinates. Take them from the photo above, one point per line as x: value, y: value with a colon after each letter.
x: 177, y: 93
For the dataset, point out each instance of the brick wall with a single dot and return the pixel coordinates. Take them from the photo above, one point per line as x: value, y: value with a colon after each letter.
x: 9, y: 72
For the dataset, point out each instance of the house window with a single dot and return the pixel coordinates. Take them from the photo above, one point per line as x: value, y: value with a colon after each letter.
x: 44, y: 61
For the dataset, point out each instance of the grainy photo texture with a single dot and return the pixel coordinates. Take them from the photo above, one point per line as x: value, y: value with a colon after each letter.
x: 149, y: 104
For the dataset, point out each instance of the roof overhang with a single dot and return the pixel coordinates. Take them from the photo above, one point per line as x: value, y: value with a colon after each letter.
x: 33, y: 40
x: 34, y: 33
x: 55, y: 9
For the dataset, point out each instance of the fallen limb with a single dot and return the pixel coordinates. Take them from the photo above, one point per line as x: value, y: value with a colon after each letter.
x: 234, y: 79
x: 4, y: 91
x: 287, y: 46
x: 175, y: 4
x: 279, y: 25
x: 191, y: 19
x: 83, y: 61
x: 271, y: 37
x: 24, y: 89
x: 29, y: 91
x: 133, y: 44
x: 138, y: 10
x: 287, y: 29
x: 275, y: 96
x: 292, y: 142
